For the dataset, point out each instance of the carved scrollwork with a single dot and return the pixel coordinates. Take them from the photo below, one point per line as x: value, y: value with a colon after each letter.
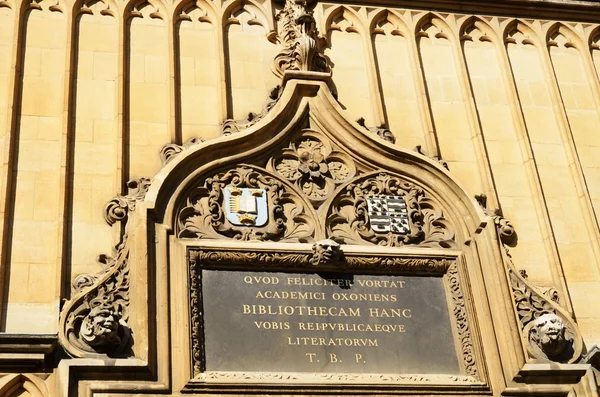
x: 504, y: 228
x: 314, y: 166
x: 302, y: 49
x: 462, y: 321
x: 414, y: 265
x: 231, y: 126
x: 118, y: 208
x: 348, y: 217
x: 380, y: 131
x: 171, y: 150
x: 203, y: 215
x: 95, y: 320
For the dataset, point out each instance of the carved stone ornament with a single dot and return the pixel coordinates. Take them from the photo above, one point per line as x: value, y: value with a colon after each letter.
x: 380, y: 131
x: 326, y: 252
x: 314, y: 166
x: 444, y: 163
x: 348, y: 219
x: 95, y: 320
x: 504, y: 227
x: 171, y: 150
x: 204, y: 212
x: 302, y: 49
x: 231, y: 126
x: 548, y: 332
x: 118, y: 208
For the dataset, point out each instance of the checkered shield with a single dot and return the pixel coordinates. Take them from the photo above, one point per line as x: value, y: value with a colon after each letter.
x: 388, y: 214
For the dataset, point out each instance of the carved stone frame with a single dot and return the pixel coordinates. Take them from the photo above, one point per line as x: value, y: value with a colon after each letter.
x: 449, y: 264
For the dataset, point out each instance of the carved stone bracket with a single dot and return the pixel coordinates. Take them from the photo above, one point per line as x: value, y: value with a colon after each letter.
x: 118, y: 208
x: 348, y: 218
x: 312, y: 164
x: 302, y: 48
x: 94, y: 322
x: 380, y: 131
x: 547, y: 330
x: 171, y: 150
x: 231, y: 126
x: 203, y: 214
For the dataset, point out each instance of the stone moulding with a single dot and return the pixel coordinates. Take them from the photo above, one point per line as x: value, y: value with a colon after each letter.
x: 224, y: 258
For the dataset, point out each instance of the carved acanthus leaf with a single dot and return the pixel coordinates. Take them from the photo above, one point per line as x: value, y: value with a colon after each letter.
x: 380, y: 131
x: 314, y: 166
x: 171, y: 150
x: 348, y: 217
x: 118, y: 208
x: 203, y: 214
x: 231, y: 126
x: 302, y: 49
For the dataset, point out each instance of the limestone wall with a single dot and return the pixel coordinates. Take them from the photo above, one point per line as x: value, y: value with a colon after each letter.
x: 91, y: 90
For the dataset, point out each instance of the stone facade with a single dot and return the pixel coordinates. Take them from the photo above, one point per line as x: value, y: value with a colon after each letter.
x: 480, y: 112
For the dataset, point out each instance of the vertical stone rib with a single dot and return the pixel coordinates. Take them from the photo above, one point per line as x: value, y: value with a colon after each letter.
x: 571, y: 154
x: 224, y: 101
x: 174, y: 122
x: 67, y: 161
x: 8, y: 172
x: 535, y: 183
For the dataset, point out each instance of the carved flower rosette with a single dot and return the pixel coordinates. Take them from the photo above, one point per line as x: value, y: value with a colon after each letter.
x: 312, y: 164
x: 348, y: 217
x: 204, y: 213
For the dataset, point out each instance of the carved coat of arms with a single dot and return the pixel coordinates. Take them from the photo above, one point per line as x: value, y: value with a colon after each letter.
x: 388, y: 214
x: 245, y: 206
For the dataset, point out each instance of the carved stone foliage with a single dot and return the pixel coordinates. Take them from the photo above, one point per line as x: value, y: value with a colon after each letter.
x: 203, y: 214
x: 171, y: 150
x: 348, y: 217
x: 231, y: 126
x: 314, y: 166
x: 302, y: 49
x: 118, y: 208
x: 95, y: 320
x: 462, y: 321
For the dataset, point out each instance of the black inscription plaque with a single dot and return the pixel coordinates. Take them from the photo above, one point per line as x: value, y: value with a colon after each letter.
x: 289, y: 322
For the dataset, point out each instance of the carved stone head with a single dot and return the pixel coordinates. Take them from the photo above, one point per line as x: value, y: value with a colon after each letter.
x: 101, y: 327
x: 326, y: 252
x: 548, y: 333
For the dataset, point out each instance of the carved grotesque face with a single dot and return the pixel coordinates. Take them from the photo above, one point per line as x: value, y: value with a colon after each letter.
x: 549, y: 334
x: 100, y: 327
x: 326, y: 251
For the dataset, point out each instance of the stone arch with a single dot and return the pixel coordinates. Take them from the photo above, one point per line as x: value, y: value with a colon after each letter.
x: 393, y: 18
x: 208, y: 13
x: 257, y: 11
x: 570, y: 39
x: 518, y: 27
x: 429, y: 20
x: 22, y: 382
x: 342, y: 13
x: 136, y: 9
x: 487, y: 33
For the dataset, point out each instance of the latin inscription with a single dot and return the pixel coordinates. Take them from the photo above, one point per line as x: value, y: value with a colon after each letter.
x: 280, y: 322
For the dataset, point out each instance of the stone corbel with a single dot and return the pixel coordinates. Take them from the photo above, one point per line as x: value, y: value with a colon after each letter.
x: 93, y: 323
x: 548, y: 332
